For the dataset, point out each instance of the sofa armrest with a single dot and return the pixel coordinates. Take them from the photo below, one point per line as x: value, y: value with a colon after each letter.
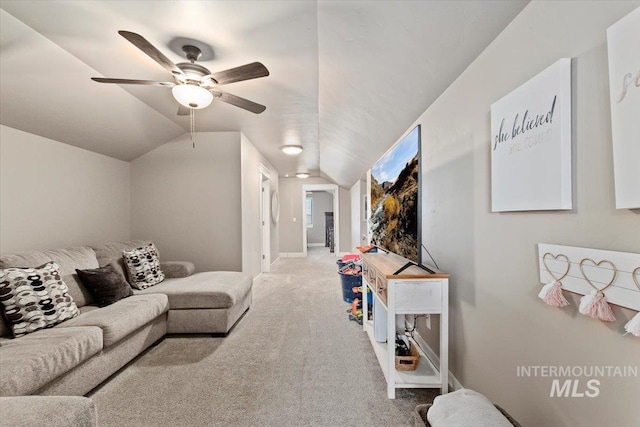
x: 177, y: 269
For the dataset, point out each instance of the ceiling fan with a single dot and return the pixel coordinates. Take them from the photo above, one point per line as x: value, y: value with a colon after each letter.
x: 194, y: 86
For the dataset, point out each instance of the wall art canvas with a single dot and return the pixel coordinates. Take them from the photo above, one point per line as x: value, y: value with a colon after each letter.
x: 531, y: 144
x: 623, y: 39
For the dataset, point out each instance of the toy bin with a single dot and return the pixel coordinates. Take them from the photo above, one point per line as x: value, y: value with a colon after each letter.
x: 349, y: 281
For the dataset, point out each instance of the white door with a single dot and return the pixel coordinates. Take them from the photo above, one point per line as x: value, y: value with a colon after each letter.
x: 265, y: 224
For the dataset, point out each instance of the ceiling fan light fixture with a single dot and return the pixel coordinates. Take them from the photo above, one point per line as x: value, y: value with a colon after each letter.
x: 192, y: 96
x: 302, y: 175
x: 291, y: 149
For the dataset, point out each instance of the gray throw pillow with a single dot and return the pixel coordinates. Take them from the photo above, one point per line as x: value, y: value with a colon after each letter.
x: 105, y: 284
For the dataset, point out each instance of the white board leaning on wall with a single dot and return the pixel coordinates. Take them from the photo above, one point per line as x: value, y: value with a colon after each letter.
x: 623, y: 39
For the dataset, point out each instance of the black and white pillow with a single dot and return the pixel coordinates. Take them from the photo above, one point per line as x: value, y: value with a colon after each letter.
x: 35, y: 298
x: 143, y: 265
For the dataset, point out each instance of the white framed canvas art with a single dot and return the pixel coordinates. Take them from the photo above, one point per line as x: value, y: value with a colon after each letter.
x: 531, y: 144
x: 623, y: 40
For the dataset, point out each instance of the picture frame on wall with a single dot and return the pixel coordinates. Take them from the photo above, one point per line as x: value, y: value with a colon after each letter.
x: 624, y: 88
x: 531, y: 144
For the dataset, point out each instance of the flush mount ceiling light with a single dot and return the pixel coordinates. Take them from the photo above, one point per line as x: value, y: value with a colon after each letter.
x: 302, y: 175
x: 291, y: 149
x: 192, y: 96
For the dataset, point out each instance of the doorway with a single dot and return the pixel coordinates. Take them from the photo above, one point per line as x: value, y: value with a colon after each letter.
x: 321, y: 217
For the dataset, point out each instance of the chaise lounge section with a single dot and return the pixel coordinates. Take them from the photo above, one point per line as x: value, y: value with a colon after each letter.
x: 207, y: 302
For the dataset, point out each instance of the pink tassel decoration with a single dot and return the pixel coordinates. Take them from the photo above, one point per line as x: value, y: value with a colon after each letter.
x: 633, y: 326
x: 595, y: 305
x: 551, y: 293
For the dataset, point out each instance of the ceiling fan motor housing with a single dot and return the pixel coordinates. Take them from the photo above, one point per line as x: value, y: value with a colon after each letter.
x: 196, y: 74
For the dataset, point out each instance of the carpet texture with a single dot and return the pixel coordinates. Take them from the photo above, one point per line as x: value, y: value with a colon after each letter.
x: 293, y: 360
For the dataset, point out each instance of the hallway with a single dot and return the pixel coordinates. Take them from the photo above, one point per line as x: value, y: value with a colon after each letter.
x: 295, y: 359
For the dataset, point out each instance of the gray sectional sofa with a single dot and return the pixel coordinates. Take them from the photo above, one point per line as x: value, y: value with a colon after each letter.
x: 75, y: 356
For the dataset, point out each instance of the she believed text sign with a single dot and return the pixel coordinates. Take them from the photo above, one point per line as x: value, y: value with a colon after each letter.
x: 531, y: 144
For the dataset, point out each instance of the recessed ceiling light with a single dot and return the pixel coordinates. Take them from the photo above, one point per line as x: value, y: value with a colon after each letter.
x: 291, y: 149
x: 302, y: 175
x: 286, y: 175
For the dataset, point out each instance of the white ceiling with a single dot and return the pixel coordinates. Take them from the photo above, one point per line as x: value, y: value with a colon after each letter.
x: 347, y: 78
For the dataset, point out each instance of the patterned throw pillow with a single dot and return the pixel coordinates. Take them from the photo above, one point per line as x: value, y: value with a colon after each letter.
x: 143, y: 265
x: 35, y: 298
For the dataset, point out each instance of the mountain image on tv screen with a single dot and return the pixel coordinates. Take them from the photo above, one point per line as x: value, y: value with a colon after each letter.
x: 395, y: 198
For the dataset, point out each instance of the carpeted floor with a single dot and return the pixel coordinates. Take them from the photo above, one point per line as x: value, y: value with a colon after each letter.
x: 293, y: 360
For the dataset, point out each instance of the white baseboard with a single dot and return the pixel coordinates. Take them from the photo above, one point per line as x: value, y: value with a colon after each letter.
x: 292, y: 255
x: 315, y: 244
x: 258, y: 276
x: 454, y: 384
x: 274, y: 261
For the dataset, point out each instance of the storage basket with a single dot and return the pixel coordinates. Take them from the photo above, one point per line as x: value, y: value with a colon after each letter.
x: 420, y: 416
x: 408, y: 363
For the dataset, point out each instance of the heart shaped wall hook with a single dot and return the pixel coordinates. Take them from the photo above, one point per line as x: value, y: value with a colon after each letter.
x: 634, y: 277
x: 597, y: 264
x: 556, y: 257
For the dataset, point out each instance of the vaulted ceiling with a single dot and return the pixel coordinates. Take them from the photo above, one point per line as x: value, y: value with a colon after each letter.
x: 346, y: 79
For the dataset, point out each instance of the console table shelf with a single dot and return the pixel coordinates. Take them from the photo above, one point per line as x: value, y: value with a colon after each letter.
x: 411, y: 291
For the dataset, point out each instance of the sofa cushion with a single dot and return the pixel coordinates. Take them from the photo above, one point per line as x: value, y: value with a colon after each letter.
x: 52, y: 411
x: 143, y: 266
x: 105, y: 284
x: 67, y: 259
x: 33, y: 361
x: 35, y: 298
x: 111, y: 253
x: 211, y: 289
x: 121, y: 318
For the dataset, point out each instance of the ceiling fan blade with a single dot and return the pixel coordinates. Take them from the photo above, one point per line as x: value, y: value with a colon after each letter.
x: 243, y: 72
x: 143, y: 44
x: 239, y: 102
x: 132, y: 82
x: 183, y: 111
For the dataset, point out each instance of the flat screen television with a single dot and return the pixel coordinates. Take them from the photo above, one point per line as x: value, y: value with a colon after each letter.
x: 395, y: 199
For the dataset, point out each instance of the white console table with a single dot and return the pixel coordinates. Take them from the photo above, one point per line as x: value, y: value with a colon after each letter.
x: 410, y: 291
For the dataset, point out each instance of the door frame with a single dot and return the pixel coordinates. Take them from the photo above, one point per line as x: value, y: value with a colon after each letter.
x: 265, y: 219
x: 335, y: 191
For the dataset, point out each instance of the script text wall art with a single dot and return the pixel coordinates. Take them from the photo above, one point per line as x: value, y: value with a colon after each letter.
x: 531, y: 144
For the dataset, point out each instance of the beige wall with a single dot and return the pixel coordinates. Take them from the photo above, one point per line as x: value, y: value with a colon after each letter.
x: 497, y: 320
x: 188, y: 200
x: 322, y: 202
x: 358, y: 219
x: 345, y: 221
x: 55, y: 195
x: 251, y: 160
x: 291, y: 207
